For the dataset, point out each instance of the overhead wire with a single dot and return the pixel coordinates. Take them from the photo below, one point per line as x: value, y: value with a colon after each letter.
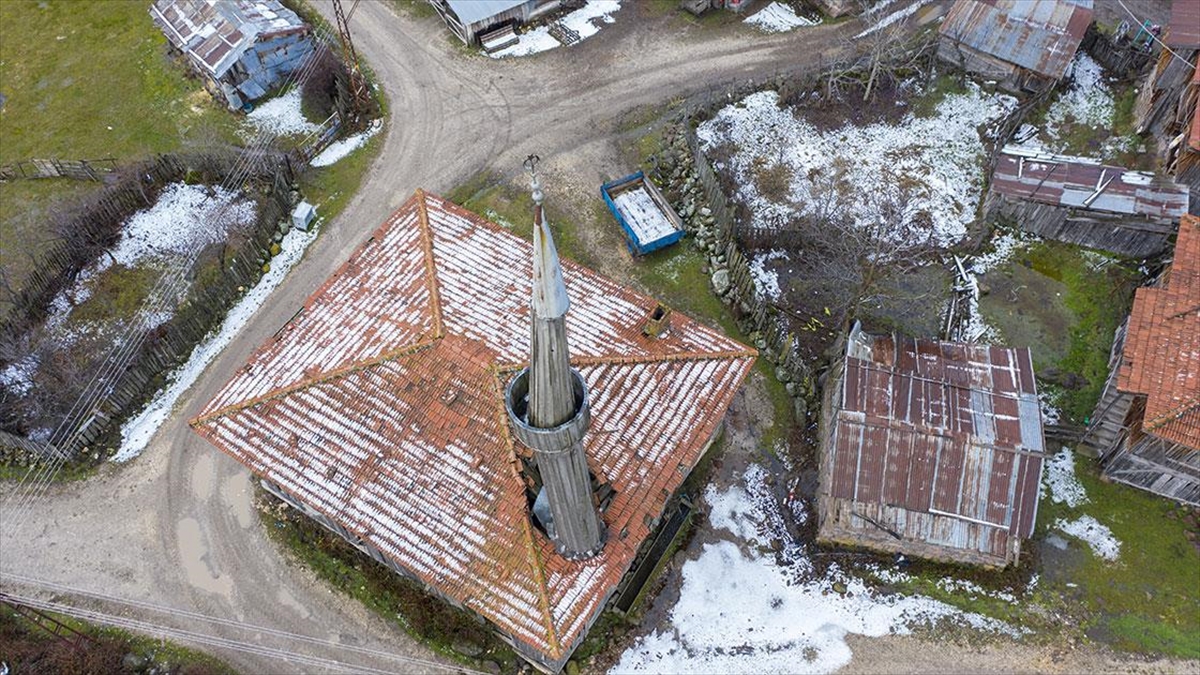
x: 15, y: 507
x: 229, y: 623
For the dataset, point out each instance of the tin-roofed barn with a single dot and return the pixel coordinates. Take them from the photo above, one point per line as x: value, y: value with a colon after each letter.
x: 1079, y: 201
x: 1025, y: 45
x: 1147, y: 423
x: 242, y: 48
x: 380, y: 411
x: 490, y: 22
x: 1165, y: 104
x: 931, y: 449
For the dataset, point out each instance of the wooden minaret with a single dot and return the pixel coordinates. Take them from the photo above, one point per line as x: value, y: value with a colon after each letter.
x: 548, y: 403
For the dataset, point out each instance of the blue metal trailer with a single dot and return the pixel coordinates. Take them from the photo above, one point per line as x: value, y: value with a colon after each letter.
x: 648, y: 220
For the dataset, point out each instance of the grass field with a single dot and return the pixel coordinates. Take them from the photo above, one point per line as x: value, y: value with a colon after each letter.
x: 87, y: 80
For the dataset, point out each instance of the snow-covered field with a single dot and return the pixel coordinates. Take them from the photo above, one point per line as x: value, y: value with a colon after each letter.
x: 779, y: 18
x: 138, y: 430
x: 279, y: 116
x: 940, y: 156
x: 745, y: 609
x: 585, y: 21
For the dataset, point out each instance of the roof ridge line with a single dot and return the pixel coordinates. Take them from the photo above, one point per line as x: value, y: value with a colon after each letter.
x: 647, y: 358
x: 435, y: 296
x: 1172, y: 414
x: 535, y: 560
x: 315, y: 380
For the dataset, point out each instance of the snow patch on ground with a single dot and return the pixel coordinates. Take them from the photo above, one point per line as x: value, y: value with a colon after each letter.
x: 138, y: 430
x: 279, y: 116
x: 1097, y: 536
x: 766, y: 281
x: 1059, y: 480
x: 743, y: 610
x: 18, y: 376
x: 1004, y: 245
x: 184, y: 220
x: 898, y: 15
x: 779, y: 18
x: 340, y: 149
x: 583, y: 21
x: 1087, y: 100
x: 942, y: 154
x: 1051, y: 413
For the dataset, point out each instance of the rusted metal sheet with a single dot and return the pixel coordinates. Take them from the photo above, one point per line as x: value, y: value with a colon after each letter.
x: 947, y: 435
x: 1081, y: 183
x: 1039, y: 35
x: 381, y: 407
x: 216, y: 34
x: 1183, y: 28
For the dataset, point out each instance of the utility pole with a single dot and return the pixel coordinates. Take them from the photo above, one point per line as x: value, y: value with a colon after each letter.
x: 358, y: 83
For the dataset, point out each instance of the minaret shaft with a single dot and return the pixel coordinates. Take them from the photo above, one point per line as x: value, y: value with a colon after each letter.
x: 557, y: 414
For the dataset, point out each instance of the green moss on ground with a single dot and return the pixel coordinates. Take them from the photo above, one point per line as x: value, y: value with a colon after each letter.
x: 1099, y: 293
x: 1147, y: 601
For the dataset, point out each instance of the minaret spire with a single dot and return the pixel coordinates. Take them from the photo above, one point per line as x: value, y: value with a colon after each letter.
x: 548, y: 402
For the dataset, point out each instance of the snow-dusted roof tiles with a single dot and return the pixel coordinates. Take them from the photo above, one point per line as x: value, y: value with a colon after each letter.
x: 380, y: 405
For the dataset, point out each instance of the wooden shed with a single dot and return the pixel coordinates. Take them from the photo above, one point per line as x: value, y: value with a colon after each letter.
x: 1080, y: 201
x: 470, y: 20
x: 242, y: 48
x: 1147, y: 423
x: 931, y: 449
x: 1166, y: 102
x: 1025, y: 45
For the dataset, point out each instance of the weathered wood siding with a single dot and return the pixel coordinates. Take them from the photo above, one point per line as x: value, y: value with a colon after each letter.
x: 1120, y: 234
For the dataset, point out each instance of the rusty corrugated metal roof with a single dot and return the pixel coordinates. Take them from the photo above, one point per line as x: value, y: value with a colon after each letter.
x: 1183, y: 28
x: 941, y: 428
x: 1161, y: 357
x: 215, y: 33
x: 1083, y: 183
x: 1040, y: 35
x: 381, y: 407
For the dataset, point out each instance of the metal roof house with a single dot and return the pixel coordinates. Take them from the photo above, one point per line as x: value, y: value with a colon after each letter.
x: 931, y: 449
x: 1147, y: 423
x: 471, y: 20
x: 1080, y: 201
x: 390, y: 409
x: 242, y: 48
x: 1025, y: 45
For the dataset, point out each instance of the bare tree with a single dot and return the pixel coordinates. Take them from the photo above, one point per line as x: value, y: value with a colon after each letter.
x: 861, y: 240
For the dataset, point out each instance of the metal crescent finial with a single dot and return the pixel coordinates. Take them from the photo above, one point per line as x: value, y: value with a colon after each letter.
x: 531, y: 163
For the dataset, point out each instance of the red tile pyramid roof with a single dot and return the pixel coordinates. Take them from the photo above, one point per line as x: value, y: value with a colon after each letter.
x: 380, y: 406
x: 1161, y: 358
